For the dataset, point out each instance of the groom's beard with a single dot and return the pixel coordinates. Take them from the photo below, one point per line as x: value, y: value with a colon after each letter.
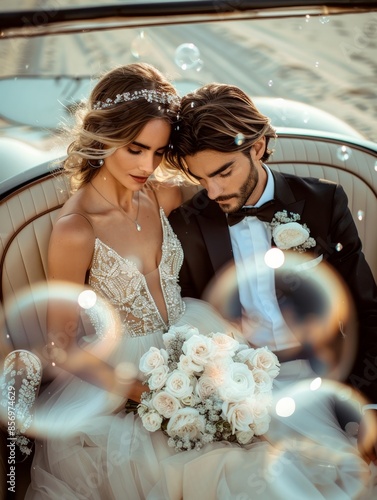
x: 245, y: 191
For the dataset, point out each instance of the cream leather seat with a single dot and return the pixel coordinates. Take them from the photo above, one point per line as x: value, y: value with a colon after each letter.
x: 27, y: 215
x: 28, y: 212
x: 354, y: 166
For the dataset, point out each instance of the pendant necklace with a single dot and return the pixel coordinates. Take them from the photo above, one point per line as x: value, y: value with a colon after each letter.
x: 118, y: 207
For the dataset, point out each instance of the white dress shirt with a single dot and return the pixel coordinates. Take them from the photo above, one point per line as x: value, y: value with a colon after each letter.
x: 262, y: 323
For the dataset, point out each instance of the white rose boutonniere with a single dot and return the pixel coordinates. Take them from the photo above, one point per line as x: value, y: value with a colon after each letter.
x: 288, y: 234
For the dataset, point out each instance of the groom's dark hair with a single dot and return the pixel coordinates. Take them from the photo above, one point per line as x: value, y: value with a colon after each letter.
x: 219, y: 117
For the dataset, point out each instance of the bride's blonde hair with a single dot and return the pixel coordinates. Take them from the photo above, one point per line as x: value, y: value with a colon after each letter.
x: 117, y: 110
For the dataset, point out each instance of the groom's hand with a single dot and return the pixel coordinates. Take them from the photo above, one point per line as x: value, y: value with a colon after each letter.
x: 367, y: 436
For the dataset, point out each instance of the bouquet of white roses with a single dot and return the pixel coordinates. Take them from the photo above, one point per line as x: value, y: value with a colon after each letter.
x: 207, y: 388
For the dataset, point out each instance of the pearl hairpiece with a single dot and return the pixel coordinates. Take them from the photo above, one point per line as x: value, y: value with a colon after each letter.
x: 148, y: 95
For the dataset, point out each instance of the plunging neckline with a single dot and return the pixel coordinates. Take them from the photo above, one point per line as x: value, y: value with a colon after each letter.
x: 129, y: 261
x: 131, y: 264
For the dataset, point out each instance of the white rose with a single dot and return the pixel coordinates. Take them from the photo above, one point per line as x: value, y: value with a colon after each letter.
x: 238, y: 383
x: 217, y: 370
x: 165, y: 404
x: 205, y: 387
x: 263, y: 381
x: 187, y: 365
x: 245, y: 437
x: 239, y: 415
x: 226, y: 345
x: 190, y: 400
x: 200, y: 349
x: 178, y: 384
x: 261, y: 417
x: 152, y: 359
x: 246, y: 354
x: 262, y: 426
x: 158, y: 377
x: 186, y: 422
x: 289, y: 235
x: 264, y: 359
x: 151, y: 421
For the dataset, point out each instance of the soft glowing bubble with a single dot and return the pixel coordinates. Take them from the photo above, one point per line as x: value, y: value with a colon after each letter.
x: 285, y: 407
x: 310, y: 433
x: 312, y: 309
x: 141, y: 46
x: 187, y: 56
x: 88, y: 341
x: 324, y: 19
x: 270, y: 83
x: 338, y: 247
x: 360, y: 214
x: 344, y: 153
x: 239, y: 139
x: 375, y: 166
x: 274, y: 258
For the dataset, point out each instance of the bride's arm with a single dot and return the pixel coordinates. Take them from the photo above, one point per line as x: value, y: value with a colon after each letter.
x: 69, y: 257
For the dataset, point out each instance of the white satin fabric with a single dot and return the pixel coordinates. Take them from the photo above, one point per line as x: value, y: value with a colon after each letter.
x: 89, y: 448
x: 93, y: 451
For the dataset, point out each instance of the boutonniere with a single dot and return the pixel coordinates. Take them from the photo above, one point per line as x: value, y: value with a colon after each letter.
x: 288, y: 234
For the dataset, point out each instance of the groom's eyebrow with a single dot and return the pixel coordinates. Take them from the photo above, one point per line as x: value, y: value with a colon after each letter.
x: 216, y: 172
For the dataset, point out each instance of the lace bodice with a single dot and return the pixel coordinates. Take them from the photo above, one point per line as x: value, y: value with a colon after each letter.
x: 119, y: 281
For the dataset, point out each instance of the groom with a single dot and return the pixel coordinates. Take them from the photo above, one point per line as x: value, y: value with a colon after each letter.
x: 223, y: 142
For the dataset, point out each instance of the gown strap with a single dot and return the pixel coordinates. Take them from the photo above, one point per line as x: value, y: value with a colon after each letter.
x: 82, y: 215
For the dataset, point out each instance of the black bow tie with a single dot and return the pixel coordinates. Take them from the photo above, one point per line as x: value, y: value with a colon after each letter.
x: 264, y: 213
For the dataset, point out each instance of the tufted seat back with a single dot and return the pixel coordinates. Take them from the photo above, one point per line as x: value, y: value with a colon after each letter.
x: 26, y: 218
x: 27, y: 215
x: 353, y: 167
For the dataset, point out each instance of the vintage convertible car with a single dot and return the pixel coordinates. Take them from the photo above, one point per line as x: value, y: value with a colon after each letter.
x: 310, y: 66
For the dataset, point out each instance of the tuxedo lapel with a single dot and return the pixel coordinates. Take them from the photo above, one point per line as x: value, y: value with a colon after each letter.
x: 284, y: 196
x: 214, y: 227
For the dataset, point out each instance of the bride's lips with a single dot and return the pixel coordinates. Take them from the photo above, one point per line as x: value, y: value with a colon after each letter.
x: 140, y: 180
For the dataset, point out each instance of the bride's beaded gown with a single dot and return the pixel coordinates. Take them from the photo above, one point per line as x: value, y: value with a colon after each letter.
x: 90, y: 448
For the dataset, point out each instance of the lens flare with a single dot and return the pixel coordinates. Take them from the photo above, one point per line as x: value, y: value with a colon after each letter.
x: 302, y: 299
x: 71, y: 356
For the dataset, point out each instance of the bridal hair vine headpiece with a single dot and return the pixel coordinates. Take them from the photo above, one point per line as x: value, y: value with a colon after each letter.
x: 148, y: 95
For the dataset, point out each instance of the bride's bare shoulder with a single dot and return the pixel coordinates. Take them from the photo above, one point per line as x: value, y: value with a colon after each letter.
x: 74, y: 221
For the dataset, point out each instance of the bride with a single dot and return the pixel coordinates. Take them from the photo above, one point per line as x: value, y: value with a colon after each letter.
x: 112, y: 240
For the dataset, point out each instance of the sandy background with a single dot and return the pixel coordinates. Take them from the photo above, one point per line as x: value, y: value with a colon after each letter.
x: 328, y: 62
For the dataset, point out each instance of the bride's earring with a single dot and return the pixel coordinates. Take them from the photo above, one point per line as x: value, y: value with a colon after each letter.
x: 98, y: 164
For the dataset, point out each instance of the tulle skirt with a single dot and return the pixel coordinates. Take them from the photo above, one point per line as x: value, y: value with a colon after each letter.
x: 88, y: 447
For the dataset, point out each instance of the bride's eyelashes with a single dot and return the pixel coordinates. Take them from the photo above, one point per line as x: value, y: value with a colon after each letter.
x: 139, y: 151
x: 133, y: 151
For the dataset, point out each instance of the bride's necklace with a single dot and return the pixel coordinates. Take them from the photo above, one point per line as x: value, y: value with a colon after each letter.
x: 118, y: 207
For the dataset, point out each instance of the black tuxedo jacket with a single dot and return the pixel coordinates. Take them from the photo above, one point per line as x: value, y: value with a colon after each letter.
x: 203, y: 231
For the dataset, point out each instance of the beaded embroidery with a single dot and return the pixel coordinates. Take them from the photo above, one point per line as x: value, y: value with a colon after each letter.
x: 119, y: 280
x: 19, y: 385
